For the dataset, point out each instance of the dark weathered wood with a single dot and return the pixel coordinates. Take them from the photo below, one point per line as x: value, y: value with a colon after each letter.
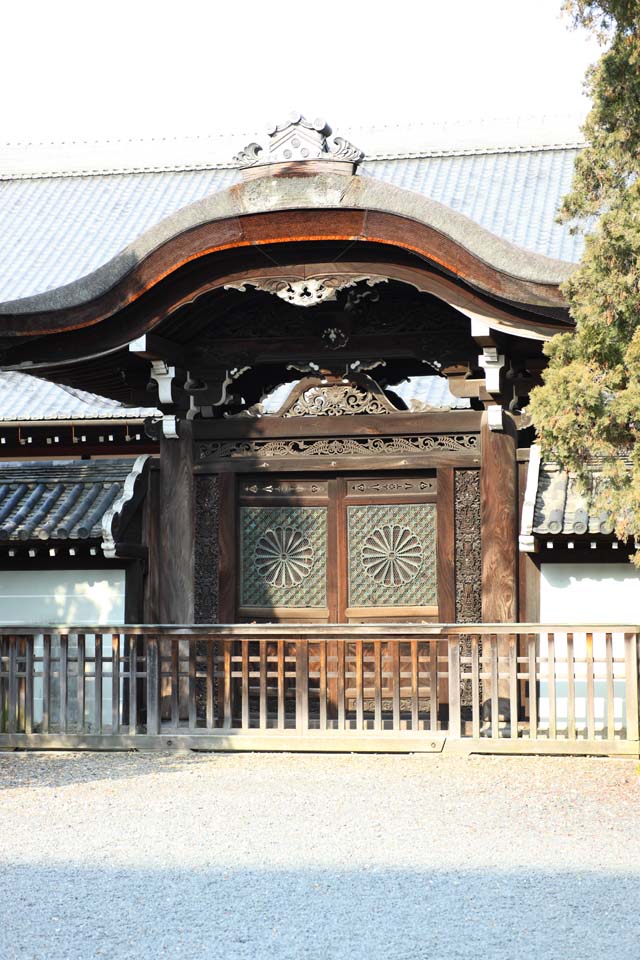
x: 46, y: 683
x: 457, y: 421
x: 245, y: 686
x: 153, y: 685
x: 176, y: 554
x: 532, y: 643
x: 151, y: 520
x: 13, y: 685
x: 81, y: 682
x: 28, y: 708
x: 227, y: 551
x: 192, y: 684
x: 446, y: 546
x: 455, y: 726
x: 498, y: 505
x: 97, y: 670
x: 115, y: 683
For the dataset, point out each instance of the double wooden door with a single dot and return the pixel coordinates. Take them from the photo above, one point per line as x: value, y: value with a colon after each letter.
x: 337, y: 549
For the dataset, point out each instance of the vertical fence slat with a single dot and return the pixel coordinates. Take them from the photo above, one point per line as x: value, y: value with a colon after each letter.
x: 513, y: 685
x: 115, y: 683
x: 192, y: 705
x: 13, y: 685
x: 302, y: 686
x: 433, y: 684
x: 455, y: 726
x: 359, y: 684
x: 28, y: 685
x: 475, y: 686
x: 395, y: 655
x: 533, y: 686
x: 80, y: 679
x: 631, y: 684
x: 611, y: 728
x: 591, y: 725
x: 323, y: 684
x: 415, y: 686
x: 263, y: 684
x: 46, y: 683
x: 281, y: 680
x: 495, y: 703
x: 175, y: 681
x: 245, y: 684
x: 340, y: 685
x: 377, y: 684
x: 551, y: 671
x: 226, y: 683
x: 153, y: 685
x: 133, y: 683
x: 63, y: 672
x: 571, y: 690
x: 97, y: 670
x: 209, y: 681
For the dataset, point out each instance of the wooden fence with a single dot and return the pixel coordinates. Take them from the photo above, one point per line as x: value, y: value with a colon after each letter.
x: 515, y: 688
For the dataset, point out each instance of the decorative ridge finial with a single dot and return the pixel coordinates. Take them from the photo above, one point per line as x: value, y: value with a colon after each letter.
x: 299, y: 140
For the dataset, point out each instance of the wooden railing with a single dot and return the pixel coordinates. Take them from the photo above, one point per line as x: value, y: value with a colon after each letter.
x: 519, y: 688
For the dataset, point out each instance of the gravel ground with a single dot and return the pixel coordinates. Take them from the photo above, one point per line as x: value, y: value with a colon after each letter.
x: 302, y: 856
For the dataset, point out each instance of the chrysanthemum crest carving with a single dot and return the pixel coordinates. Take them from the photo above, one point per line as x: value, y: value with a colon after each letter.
x: 299, y: 140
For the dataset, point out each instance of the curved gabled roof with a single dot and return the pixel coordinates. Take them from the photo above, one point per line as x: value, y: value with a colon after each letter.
x: 81, y: 233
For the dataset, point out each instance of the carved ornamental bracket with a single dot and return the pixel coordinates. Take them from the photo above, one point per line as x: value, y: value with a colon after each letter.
x: 307, y: 292
x: 299, y: 140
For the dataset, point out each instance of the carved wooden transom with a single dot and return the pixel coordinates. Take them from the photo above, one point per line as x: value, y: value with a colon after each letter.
x: 315, y: 397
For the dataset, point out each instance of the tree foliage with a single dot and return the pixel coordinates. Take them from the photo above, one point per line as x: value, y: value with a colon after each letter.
x: 589, y: 404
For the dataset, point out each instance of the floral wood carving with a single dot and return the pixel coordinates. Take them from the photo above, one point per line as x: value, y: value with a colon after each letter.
x: 307, y: 292
x: 468, y: 562
x: 468, y: 546
x: 339, y: 447
x: 319, y: 398
x: 299, y: 139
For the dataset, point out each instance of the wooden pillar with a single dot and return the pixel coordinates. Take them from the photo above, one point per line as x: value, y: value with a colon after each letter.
x: 499, y: 514
x: 499, y: 517
x: 176, y: 540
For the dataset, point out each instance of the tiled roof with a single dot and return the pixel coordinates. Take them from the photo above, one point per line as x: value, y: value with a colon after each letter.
x: 54, y: 230
x: 556, y: 506
x: 27, y: 398
x: 417, y: 393
x: 64, y: 499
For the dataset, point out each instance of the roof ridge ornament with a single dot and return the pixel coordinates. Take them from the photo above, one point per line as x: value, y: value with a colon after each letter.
x: 299, y: 140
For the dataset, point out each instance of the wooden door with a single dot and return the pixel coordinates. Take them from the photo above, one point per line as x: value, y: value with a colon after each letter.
x: 337, y: 549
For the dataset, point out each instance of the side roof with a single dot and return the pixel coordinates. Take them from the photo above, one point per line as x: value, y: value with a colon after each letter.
x: 25, y: 398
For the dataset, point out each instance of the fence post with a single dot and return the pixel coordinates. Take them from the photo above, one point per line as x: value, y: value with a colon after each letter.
x: 153, y: 686
x: 631, y: 678
x: 302, y: 685
x: 455, y: 729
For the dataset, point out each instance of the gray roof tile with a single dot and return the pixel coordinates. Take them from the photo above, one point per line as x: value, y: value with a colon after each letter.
x: 27, y: 398
x: 64, y: 499
x: 54, y: 230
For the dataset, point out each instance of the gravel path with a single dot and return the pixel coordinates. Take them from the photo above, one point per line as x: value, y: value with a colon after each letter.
x: 284, y: 856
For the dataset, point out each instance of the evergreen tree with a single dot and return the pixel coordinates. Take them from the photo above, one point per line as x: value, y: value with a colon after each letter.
x: 589, y: 404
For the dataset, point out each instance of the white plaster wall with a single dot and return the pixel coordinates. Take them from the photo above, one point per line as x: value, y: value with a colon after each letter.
x: 69, y: 597
x: 590, y: 593
x: 62, y: 596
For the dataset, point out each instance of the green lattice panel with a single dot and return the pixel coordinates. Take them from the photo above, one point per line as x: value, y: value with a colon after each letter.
x: 283, y: 556
x: 392, y: 555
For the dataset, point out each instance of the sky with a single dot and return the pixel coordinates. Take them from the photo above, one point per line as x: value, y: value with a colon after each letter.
x: 145, y: 68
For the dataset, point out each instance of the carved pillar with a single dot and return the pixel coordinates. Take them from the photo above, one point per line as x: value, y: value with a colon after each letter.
x: 207, y: 556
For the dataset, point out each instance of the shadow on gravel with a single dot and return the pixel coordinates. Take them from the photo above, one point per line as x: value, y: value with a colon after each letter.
x: 68, y: 912
x: 58, y: 769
